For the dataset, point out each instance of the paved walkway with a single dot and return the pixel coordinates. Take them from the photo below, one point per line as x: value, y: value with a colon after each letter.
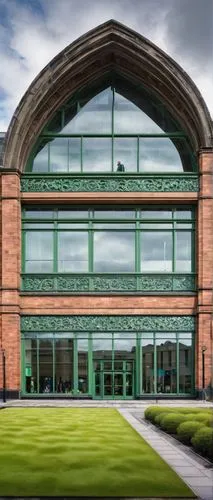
x: 193, y: 470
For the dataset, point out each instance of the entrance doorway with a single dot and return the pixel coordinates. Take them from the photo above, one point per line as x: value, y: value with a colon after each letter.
x: 116, y: 382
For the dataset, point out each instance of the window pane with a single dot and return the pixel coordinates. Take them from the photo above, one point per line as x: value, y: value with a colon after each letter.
x: 183, y: 214
x: 74, y: 154
x: 72, y: 214
x: 114, y: 214
x: 128, y: 118
x: 38, y: 214
x: 72, y: 251
x: 82, y: 366
x: 64, y: 354
x: 166, y: 366
x: 40, y: 162
x: 156, y: 251
x: 119, y: 225
x: 125, y: 151
x: 186, y: 366
x: 183, y: 251
x: 45, y: 366
x: 114, y: 252
x: 31, y: 381
x: 39, y: 251
x: 148, y: 385
x: 102, y: 348
x: 156, y: 214
x: 59, y: 155
x: 93, y: 117
x: 97, y: 155
x: 159, y: 155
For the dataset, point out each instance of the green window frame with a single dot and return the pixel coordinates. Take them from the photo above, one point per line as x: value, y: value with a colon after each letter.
x: 148, y: 379
x: 137, y: 221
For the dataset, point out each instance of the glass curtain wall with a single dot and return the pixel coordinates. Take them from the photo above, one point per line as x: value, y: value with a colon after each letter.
x: 105, y: 240
x: 108, y: 132
x: 108, y: 365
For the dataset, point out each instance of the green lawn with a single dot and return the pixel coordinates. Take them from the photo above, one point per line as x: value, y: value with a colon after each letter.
x: 79, y: 452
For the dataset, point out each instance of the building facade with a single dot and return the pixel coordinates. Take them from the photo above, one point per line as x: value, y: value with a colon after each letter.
x: 107, y: 227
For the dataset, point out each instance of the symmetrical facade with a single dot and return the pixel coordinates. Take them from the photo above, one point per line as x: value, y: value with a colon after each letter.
x: 106, y: 227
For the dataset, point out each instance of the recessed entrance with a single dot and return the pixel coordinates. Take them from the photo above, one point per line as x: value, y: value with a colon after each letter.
x: 117, y: 383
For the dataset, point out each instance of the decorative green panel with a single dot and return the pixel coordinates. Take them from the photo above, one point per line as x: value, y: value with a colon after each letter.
x: 110, y: 183
x: 108, y: 283
x: 107, y: 323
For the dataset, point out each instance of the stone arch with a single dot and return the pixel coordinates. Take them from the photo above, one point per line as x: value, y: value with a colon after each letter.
x: 109, y: 47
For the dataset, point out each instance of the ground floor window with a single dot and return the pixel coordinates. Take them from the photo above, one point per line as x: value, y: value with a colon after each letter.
x: 108, y: 365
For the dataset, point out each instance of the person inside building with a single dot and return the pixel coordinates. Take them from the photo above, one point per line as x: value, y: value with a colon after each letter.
x: 120, y: 167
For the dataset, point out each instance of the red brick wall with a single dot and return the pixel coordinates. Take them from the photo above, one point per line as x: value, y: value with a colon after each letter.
x: 10, y: 278
x: 12, y: 303
x: 205, y: 269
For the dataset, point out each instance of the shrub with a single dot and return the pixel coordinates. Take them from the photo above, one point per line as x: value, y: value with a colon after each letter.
x: 158, y: 418
x: 202, y: 441
x: 152, y: 411
x: 171, y: 422
x: 186, y: 430
x: 205, y: 418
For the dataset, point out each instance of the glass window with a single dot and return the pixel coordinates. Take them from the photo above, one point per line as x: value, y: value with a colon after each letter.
x: 159, y: 155
x: 128, y: 118
x: 166, y: 366
x: 156, y: 251
x: 156, y: 214
x: 38, y: 214
x: 185, y: 365
x: 39, y: 251
x: 59, y: 155
x: 46, y: 366
x: 92, y: 117
x: 31, y: 374
x: 114, y: 214
x: 74, y: 154
x: 97, y: 154
x: 183, y: 251
x: 114, y: 251
x: 148, y: 379
x: 125, y: 152
x: 64, y: 356
x: 82, y: 366
x: 73, y: 214
x: 72, y: 251
x: 41, y: 159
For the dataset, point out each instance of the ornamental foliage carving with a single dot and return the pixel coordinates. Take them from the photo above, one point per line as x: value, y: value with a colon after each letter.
x: 107, y: 323
x: 136, y: 183
x: 108, y: 283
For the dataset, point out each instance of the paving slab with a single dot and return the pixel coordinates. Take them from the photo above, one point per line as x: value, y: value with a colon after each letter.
x: 194, y: 472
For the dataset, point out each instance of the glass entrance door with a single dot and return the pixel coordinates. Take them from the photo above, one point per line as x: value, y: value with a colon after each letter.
x: 113, y: 384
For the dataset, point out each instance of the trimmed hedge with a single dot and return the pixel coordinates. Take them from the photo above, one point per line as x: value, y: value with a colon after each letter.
x: 152, y: 412
x: 205, y: 418
x: 202, y: 441
x: 158, y: 418
x: 186, y: 430
x: 170, y: 423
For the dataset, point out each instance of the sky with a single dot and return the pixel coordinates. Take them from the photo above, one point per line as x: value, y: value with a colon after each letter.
x: 32, y: 32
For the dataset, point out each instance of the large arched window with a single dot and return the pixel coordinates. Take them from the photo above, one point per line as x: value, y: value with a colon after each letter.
x: 112, y: 128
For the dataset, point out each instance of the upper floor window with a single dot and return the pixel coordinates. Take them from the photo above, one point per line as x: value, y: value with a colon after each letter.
x: 108, y: 240
x: 112, y: 130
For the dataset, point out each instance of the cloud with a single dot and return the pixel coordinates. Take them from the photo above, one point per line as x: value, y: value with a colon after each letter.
x: 32, y: 32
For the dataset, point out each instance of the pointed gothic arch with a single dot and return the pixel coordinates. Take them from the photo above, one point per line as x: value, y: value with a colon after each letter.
x: 111, y: 47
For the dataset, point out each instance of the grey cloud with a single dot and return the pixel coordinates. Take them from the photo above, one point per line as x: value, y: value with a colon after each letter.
x: 190, y: 29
